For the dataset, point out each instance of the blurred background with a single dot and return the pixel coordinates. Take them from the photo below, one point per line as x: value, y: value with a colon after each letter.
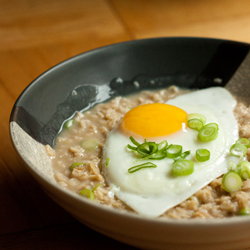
x: 37, y: 34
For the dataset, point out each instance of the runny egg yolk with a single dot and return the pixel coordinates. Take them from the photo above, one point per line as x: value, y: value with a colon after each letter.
x: 153, y: 120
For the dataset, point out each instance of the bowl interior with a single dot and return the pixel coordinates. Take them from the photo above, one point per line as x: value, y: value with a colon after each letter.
x: 122, y: 69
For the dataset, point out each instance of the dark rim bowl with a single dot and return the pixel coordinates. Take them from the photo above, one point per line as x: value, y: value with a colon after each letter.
x: 120, y: 69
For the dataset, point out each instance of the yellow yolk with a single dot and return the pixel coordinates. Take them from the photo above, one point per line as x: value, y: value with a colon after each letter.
x: 153, y: 120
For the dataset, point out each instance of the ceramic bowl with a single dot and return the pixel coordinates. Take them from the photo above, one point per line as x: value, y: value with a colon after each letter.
x: 99, y: 75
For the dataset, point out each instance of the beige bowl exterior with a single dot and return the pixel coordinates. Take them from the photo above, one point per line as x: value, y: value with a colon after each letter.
x: 127, y: 227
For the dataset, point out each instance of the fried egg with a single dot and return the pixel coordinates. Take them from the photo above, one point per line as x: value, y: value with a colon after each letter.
x: 152, y: 191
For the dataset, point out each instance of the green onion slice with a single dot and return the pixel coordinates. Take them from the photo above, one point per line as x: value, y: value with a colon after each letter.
x: 244, y: 141
x: 182, y: 167
x: 94, y: 188
x: 89, y: 144
x: 107, y: 162
x: 131, y: 147
x: 159, y: 155
x: 232, y: 166
x: 198, y: 116
x: 244, y: 211
x: 68, y: 124
x: 195, y: 124
x: 183, y: 155
x: 244, y: 170
x: 208, y: 132
x: 174, y: 151
x: 202, y: 155
x: 76, y: 164
x: 231, y: 182
x: 87, y: 193
x: 238, y: 150
x: 147, y: 148
x: 162, y: 145
x: 136, y: 143
x: 141, y: 166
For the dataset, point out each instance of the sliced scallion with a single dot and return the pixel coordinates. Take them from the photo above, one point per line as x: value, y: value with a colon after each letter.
x: 94, y: 188
x: 231, y: 182
x: 195, y: 124
x: 76, y: 164
x: 141, y: 166
x: 198, y: 116
x: 162, y: 145
x: 68, y: 124
x: 232, y: 166
x: 183, y: 155
x: 131, y: 147
x: 244, y: 141
x: 107, y: 162
x: 147, y: 148
x: 89, y: 144
x: 202, y: 155
x: 244, y: 170
x: 87, y: 193
x: 182, y: 167
x: 159, y: 155
x: 136, y: 143
x: 238, y: 149
x: 174, y: 151
x: 208, y: 132
x: 244, y: 211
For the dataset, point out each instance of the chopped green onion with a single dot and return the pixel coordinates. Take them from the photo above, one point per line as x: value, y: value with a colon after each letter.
x: 208, y: 132
x: 69, y: 123
x: 202, y: 155
x: 147, y: 148
x: 244, y: 170
x: 107, y: 162
x: 87, y: 193
x: 141, y: 166
x: 232, y: 166
x: 94, y: 188
x: 76, y: 164
x: 162, y: 145
x: 238, y: 150
x: 183, y: 155
x: 131, y: 147
x: 174, y: 151
x: 182, y: 167
x: 89, y: 144
x: 136, y: 143
x: 195, y: 124
x: 244, y: 211
x: 231, y: 182
x: 159, y: 155
x: 200, y: 117
x: 244, y: 141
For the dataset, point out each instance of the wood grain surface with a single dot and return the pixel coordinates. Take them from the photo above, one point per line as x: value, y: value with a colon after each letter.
x: 37, y: 34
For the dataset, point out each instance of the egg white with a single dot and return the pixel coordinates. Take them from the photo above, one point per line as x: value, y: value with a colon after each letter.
x: 152, y: 191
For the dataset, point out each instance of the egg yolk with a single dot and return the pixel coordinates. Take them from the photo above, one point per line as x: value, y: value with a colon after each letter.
x: 153, y: 120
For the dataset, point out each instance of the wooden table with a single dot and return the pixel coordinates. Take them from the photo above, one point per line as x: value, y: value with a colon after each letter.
x: 37, y: 34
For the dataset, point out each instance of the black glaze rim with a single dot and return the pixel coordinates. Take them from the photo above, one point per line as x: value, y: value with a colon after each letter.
x: 143, y: 60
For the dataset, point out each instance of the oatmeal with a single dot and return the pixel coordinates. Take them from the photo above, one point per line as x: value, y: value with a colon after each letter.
x: 92, y: 127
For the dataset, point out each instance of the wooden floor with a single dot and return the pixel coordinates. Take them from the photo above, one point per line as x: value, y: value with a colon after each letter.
x: 37, y: 34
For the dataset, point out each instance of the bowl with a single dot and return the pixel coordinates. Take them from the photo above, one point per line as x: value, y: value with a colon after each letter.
x: 101, y: 74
